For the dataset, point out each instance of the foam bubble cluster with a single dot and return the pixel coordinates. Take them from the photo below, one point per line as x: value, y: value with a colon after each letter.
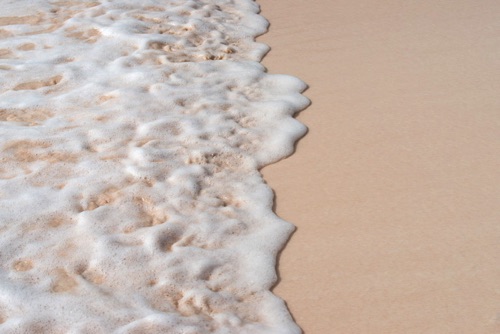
x: 132, y: 133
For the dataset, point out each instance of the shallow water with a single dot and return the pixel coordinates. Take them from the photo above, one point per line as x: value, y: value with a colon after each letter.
x: 132, y: 134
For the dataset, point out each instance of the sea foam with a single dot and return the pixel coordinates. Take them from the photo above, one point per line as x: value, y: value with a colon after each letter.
x: 132, y: 133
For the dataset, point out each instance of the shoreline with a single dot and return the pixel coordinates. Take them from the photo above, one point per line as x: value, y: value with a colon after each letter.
x: 393, y: 189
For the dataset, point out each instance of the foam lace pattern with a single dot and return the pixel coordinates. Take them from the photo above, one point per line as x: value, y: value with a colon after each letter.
x: 131, y: 137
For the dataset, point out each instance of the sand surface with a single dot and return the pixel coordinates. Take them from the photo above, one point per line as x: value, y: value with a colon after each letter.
x: 395, y: 188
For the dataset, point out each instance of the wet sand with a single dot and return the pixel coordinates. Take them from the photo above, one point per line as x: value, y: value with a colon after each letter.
x: 395, y: 189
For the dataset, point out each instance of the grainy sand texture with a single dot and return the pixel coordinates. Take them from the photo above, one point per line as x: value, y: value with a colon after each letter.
x: 395, y: 189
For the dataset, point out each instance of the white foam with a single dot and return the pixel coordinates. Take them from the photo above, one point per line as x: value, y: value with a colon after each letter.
x: 131, y: 137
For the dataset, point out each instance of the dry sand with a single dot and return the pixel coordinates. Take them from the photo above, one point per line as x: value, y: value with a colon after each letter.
x: 395, y: 190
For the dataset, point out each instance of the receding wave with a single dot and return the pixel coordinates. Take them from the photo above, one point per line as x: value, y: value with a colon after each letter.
x: 132, y: 133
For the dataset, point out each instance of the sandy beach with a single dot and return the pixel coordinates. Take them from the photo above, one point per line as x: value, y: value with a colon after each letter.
x: 394, y: 190
x: 132, y: 139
